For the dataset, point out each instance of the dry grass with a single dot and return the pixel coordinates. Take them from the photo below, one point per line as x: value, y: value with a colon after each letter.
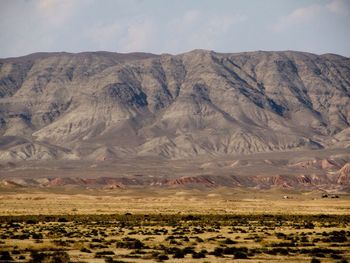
x: 144, y: 238
x: 222, y: 201
x: 75, y: 221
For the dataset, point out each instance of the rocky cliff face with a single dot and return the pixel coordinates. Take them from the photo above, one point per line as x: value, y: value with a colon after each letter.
x: 104, y: 106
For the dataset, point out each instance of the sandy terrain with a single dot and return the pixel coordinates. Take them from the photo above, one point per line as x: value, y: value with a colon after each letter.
x: 222, y: 201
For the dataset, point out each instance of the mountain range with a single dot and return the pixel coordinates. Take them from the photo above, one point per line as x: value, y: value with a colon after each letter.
x: 108, y: 105
x: 103, y: 106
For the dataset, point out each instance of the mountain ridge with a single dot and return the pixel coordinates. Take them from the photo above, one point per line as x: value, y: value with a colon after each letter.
x: 150, y: 54
x: 175, y: 106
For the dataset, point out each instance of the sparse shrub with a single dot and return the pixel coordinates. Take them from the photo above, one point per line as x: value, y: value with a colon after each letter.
x: 85, y: 250
x: 335, y: 256
x: 101, y: 254
x: 60, y: 242
x: 309, y: 225
x: 283, y: 244
x: 188, y: 250
x: 130, y: 243
x: 5, y: 256
x: 282, y: 251
x: 337, y: 237
x: 60, y: 257
x: 110, y: 260
x: 280, y: 235
x: 304, y: 239
x: 162, y: 257
x: 229, y: 241
x: 174, y: 242
x: 240, y: 255
x: 204, y: 251
x: 218, y: 251
x: 198, y: 255
x: 179, y: 254
x: 55, y: 257
x: 320, y: 255
x: 234, y: 250
x: 37, y: 236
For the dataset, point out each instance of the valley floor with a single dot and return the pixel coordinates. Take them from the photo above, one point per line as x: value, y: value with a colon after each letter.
x: 173, y: 225
x: 28, y: 201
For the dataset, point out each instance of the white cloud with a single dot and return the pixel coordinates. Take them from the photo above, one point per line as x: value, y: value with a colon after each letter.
x: 224, y: 23
x: 338, y: 7
x: 57, y: 12
x: 308, y: 13
x: 123, y: 35
x: 193, y: 29
x: 139, y: 36
x: 298, y: 16
x: 213, y: 30
x: 199, y: 30
x: 191, y: 17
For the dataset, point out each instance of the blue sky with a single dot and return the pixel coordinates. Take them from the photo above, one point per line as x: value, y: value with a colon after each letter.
x: 174, y: 26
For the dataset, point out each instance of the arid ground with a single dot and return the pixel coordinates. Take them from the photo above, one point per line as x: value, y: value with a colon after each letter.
x: 173, y: 225
x: 175, y: 238
x: 173, y: 201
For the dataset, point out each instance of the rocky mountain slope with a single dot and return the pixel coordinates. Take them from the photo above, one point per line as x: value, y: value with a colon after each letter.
x: 99, y: 106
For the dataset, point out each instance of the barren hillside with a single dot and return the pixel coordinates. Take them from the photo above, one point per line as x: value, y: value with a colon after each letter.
x: 99, y: 106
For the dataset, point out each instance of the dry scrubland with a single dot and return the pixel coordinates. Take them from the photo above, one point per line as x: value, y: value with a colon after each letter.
x: 173, y: 225
x: 176, y: 238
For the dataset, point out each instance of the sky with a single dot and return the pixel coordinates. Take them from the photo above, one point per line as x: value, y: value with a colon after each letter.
x: 174, y: 26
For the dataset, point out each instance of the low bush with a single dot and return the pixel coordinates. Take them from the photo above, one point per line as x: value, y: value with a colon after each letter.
x: 240, y: 255
x: 162, y: 257
x: 5, y: 256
